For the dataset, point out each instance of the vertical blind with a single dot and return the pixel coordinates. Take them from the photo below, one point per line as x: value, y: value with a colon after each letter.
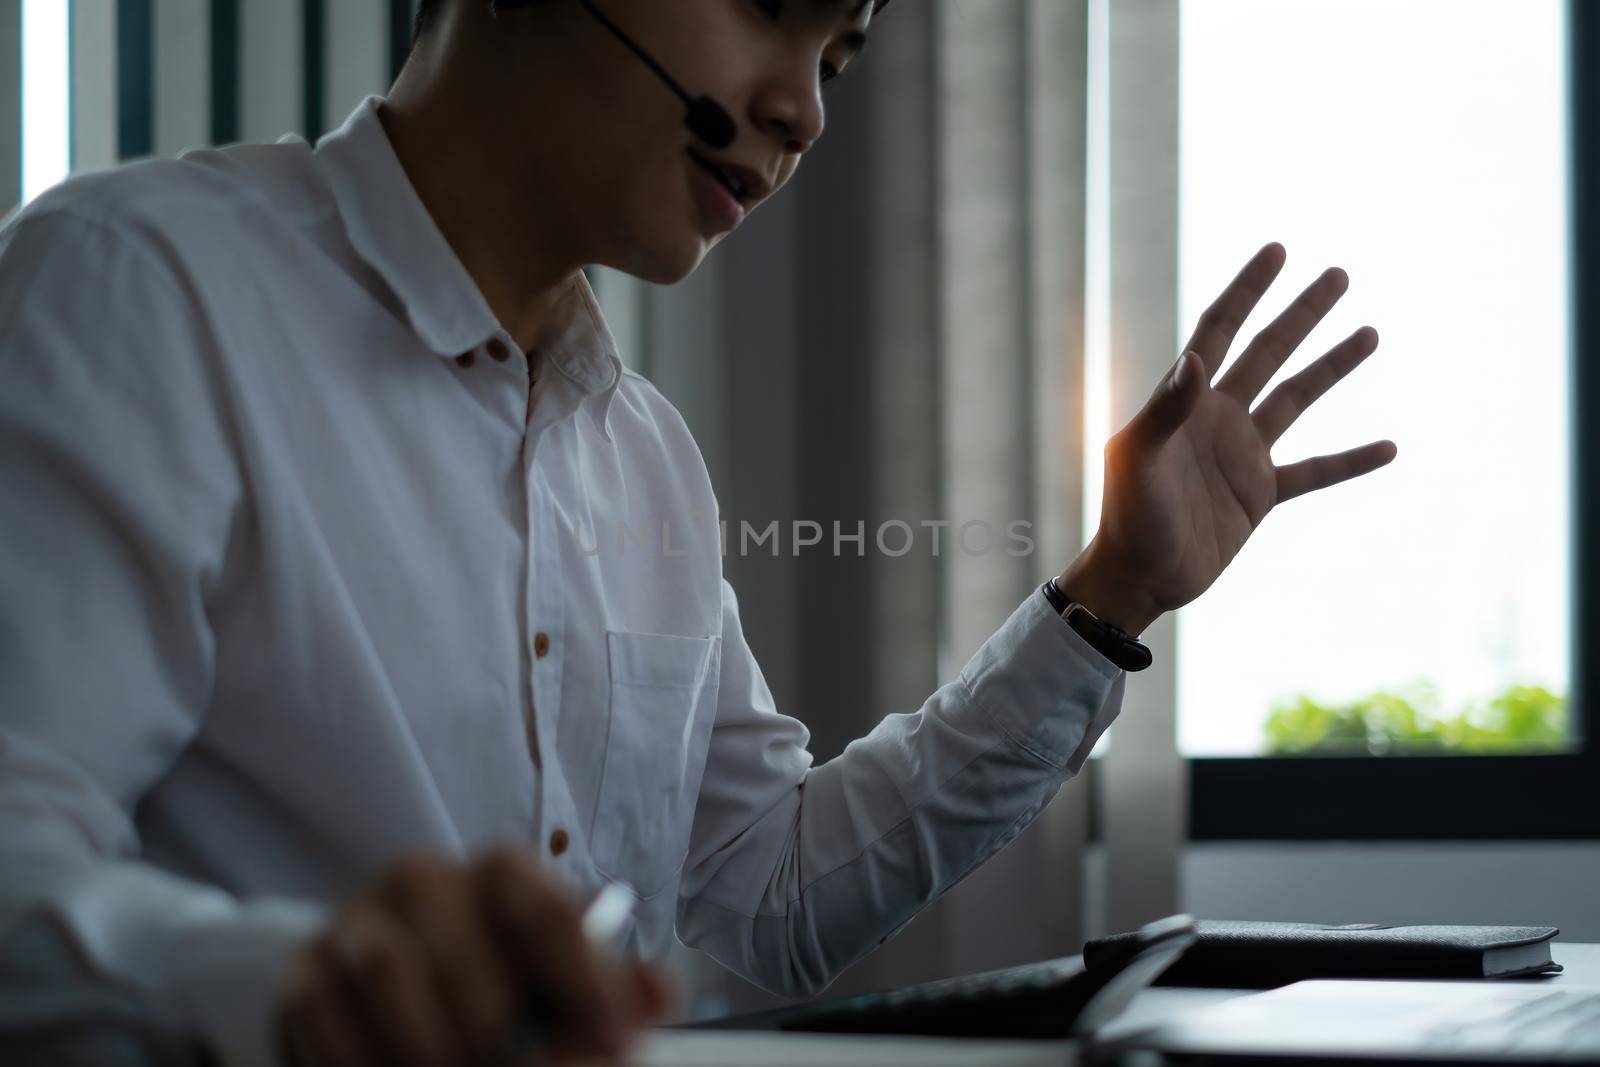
x: 10, y: 103
x: 156, y: 77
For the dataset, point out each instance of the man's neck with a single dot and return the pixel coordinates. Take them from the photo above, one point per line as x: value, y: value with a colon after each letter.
x: 523, y: 267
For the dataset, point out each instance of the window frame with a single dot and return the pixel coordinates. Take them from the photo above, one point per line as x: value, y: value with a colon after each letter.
x: 1411, y: 798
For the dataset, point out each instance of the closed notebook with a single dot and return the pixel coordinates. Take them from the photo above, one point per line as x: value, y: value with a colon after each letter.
x: 1261, y: 955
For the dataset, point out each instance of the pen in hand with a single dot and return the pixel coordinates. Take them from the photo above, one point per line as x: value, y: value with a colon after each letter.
x: 608, y: 915
x: 452, y: 960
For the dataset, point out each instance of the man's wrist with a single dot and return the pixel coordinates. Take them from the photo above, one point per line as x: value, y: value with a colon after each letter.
x: 1107, y: 594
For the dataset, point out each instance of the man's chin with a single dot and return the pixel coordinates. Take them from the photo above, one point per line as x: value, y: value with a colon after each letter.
x: 670, y: 265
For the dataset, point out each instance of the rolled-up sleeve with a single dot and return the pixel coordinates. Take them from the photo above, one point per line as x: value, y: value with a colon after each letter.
x: 795, y: 871
x: 119, y: 493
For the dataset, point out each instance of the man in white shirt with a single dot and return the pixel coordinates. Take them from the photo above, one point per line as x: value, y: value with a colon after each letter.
x: 320, y: 706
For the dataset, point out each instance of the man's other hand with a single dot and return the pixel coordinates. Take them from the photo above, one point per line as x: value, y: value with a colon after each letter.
x: 439, y: 962
x: 1189, y: 478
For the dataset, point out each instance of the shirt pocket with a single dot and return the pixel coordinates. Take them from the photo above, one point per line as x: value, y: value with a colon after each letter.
x: 662, y: 700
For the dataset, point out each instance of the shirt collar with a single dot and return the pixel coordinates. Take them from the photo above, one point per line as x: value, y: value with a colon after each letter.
x: 392, y: 231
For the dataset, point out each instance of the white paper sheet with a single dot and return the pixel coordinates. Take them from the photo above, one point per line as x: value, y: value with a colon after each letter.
x: 668, y: 1048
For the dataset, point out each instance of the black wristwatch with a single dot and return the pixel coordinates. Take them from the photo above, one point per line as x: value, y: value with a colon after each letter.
x: 1121, y: 648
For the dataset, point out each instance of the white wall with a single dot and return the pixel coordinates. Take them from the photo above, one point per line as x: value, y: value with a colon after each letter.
x: 1535, y: 883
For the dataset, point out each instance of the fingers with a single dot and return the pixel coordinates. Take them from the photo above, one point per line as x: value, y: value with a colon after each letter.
x: 1221, y: 321
x: 652, y: 994
x: 474, y: 984
x: 362, y: 994
x: 441, y: 962
x: 569, y: 990
x: 1269, y: 349
x: 389, y: 984
x: 314, y: 1028
x: 1291, y: 398
x: 1319, y: 472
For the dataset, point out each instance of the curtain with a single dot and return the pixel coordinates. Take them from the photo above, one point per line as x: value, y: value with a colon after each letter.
x: 10, y: 105
x: 1145, y: 783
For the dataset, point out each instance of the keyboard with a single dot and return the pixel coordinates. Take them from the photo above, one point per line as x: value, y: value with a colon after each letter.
x: 1034, y: 1000
x: 1556, y: 1022
x: 1046, y: 1000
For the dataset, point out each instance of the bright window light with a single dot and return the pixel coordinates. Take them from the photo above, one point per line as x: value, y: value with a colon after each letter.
x: 1422, y: 147
x: 46, y: 95
x: 1097, y: 278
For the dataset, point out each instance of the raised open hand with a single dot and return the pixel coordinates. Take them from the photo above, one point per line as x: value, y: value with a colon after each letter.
x: 1190, y: 477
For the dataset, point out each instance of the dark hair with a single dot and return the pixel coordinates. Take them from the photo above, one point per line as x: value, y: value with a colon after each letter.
x: 428, y: 10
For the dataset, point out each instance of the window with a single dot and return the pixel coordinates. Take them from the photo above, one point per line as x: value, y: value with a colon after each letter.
x: 45, y: 95
x: 1424, y: 147
x: 1420, y: 146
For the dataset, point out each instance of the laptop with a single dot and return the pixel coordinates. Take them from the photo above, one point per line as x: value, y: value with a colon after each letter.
x: 1390, y: 1021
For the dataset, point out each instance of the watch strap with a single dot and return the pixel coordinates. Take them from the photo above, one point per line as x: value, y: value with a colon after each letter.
x: 1118, y: 646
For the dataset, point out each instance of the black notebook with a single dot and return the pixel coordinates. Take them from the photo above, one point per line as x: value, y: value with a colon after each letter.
x: 1261, y: 955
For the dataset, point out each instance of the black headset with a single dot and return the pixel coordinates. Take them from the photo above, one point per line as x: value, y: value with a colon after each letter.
x: 706, y: 119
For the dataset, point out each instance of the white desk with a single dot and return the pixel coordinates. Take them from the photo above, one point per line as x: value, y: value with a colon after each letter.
x: 724, y: 1049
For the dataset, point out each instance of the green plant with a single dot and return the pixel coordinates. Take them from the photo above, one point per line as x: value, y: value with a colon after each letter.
x: 1524, y: 718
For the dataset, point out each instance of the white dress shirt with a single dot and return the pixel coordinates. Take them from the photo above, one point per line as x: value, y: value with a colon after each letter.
x: 301, y: 573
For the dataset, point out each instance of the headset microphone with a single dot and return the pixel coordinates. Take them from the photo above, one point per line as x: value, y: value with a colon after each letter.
x: 706, y: 119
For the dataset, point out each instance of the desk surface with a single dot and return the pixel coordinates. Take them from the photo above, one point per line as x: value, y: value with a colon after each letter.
x: 1150, y: 1007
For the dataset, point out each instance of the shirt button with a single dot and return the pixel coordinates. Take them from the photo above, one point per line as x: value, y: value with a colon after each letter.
x: 498, y: 350
x: 558, y: 842
x: 541, y: 644
x: 464, y: 360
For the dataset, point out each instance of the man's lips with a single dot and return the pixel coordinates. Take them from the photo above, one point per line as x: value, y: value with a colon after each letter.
x: 722, y: 208
x: 747, y: 185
